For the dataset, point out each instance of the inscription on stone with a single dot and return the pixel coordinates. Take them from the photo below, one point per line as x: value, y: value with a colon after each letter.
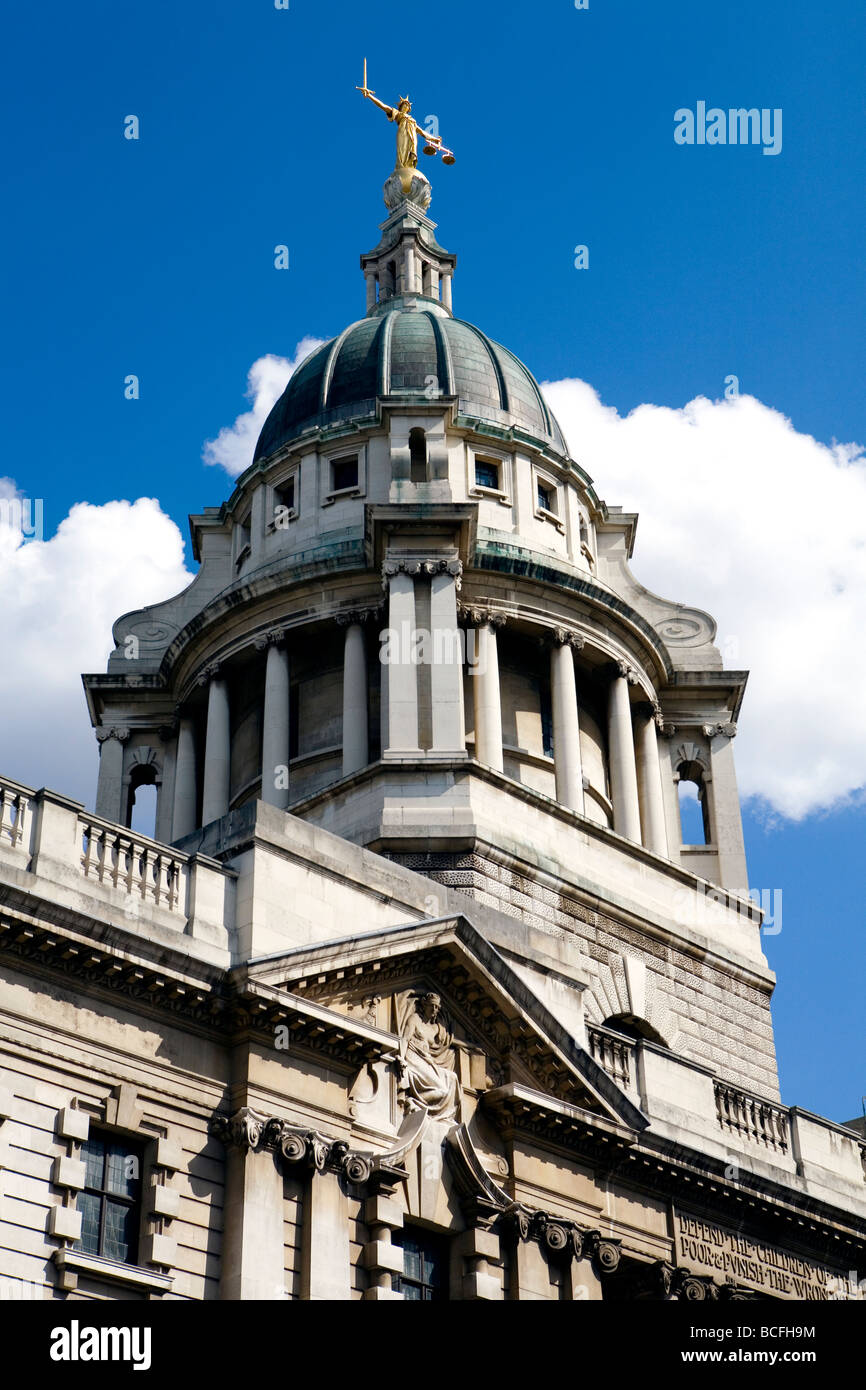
x: 705, y: 1248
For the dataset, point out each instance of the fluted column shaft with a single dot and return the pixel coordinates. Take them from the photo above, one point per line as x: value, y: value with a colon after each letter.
x: 566, y: 728
x: 400, y: 672
x: 275, y: 728
x: 217, y: 755
x: 623, y: 772
x: 652, y: 810
x: 184, y: 808
x: 487, y: 698
x: 356, y: 751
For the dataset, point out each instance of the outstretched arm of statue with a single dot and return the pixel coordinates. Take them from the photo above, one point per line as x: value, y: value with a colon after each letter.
x: 389, y: 110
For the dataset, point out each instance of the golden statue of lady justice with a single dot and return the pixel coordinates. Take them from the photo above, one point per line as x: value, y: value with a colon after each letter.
x: 407, y: 130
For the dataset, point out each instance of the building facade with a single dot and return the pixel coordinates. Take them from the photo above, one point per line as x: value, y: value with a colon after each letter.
x: 423, y: 988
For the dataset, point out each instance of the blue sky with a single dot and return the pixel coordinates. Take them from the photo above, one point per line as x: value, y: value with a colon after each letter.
x: 155, y: 257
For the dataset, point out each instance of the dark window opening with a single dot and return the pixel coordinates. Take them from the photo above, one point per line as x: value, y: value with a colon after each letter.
x: 110, y: 1201
x: 634, y: 1027
x: 546, y: 708
x: 487, y: 474
x: 417, y: 456
x: 425, y: 1266
x: 344, y: 473
x: 294, y: 725
x: 546, y: 499
x: 284, y: 501
x: 141, y: 801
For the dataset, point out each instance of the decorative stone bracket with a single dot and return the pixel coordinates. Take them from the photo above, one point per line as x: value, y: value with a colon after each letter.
x: 561, y: 1239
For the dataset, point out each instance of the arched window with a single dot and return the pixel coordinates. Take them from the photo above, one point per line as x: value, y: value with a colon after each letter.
x: 417, y: 456
x: 633, y: 1027
x: 694, y: 805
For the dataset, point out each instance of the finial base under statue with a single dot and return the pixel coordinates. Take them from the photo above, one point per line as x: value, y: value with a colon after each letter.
x: 407, y: 185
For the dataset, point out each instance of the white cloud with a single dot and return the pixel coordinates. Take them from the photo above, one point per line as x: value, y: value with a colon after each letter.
x: 235, y: 444
x: 765, y: 528
x: 60, y: 598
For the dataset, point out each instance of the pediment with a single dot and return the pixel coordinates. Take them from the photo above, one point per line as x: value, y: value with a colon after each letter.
x: 503, y: 1037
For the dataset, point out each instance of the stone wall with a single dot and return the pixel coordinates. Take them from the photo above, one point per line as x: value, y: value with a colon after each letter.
x: 704, y: 1010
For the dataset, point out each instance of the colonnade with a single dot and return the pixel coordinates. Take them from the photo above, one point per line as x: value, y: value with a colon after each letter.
x: 634, y: 766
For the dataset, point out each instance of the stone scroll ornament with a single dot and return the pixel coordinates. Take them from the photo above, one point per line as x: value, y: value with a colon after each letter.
x: 427, y: 1078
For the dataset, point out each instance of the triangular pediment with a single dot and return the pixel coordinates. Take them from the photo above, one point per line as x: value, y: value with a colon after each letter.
x: 511, y: 1041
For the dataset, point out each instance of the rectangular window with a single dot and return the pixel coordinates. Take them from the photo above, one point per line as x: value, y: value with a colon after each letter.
x: 487, y: 474
x: 546, y: 498
x: 344, y: 473
x: 285, y: 506
x: 425, y: 1266
x: 110, y: 1203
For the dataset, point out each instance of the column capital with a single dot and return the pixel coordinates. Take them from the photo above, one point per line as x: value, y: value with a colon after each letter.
x: 209, y: 673
x: 274, y: 637
x: 476, y: 616
x: 651, y: 709
x: 168, y: 730
x: 417, y: 565
x: 727, y: 730
x: 624, y: 669
x: 566, y: 637
x: 349, y: 617
x: 116, y: 731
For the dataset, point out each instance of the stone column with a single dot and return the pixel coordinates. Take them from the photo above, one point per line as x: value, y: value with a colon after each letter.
x: 566, y: 728
x: 446, y: 671
x: 275, y: 722
x: 253, y: 1258
x: 410, y: 284
x: 726, y: 822
x: 623, y: 772
x: 445, y: 282
x: 356, y: 748
x: 652, y: 810
x: 325, y: 1264
x: 185, y: 802
x: 370, y: 277
x: 487, y: 696
x: 109, y: 792
x: 399, y: 670
x: 217, y: 753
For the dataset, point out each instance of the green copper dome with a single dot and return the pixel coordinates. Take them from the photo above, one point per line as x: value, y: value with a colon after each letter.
x: 413, y: 354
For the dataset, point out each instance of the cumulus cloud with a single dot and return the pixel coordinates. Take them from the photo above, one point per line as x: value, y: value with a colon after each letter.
x: 235, y: 444
x: 60, y: 598
x: 762, y: 526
